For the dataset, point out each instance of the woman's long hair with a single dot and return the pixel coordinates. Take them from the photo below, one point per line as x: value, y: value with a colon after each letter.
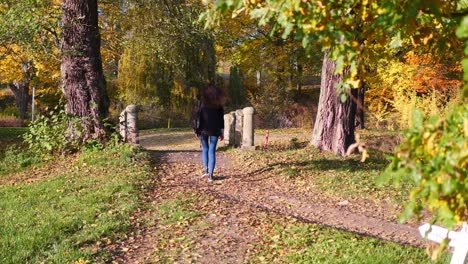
x: 212, y: 97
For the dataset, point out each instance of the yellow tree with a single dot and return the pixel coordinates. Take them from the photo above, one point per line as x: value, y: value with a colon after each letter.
x: 344, y: 29
x: 28, y: 44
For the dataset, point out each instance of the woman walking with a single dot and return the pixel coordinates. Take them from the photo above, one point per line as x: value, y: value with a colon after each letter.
x: 211, y: 127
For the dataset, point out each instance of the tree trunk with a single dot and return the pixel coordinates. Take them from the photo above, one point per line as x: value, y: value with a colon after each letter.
x: 83, y: 80
x: 21, y: 90
x: 334, y: 126
x: 360, y: 108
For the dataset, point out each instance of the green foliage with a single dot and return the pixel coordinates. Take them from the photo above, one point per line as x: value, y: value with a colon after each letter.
x: 462, y: 32
x: 11, y: 111
x: 270, y: 105
x: 434, y: 155
x: 167, y: 61
x: 236, y: 88
x: 347, y: 26
x: 189, y: 56
x: 177, y: 211
x: 50, y: 135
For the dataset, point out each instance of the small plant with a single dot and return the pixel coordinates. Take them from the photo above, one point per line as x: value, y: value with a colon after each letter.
x: 49, y: 134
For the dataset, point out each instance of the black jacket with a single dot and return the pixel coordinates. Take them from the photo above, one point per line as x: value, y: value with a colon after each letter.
x: 211, y: 121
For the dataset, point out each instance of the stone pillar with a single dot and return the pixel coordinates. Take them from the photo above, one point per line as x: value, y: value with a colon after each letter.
x: 238, y: 128
x: 248, y: 129
x: 123, y: 125
x: 132, y: 124
x: 229, y: 129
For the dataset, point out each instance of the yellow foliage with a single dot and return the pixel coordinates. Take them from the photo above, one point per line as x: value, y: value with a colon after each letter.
x: 400, y: 87
x: 56, y: 2
x: 10, y: 65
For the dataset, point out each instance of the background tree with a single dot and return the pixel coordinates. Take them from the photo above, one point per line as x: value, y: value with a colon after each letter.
x: 274, y: 71
x: 29, y: 48
x: 167, y: 57
x: 236, y: 88
x: 341, y: 27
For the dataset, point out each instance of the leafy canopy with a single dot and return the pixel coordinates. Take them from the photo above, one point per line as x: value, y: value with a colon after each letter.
x: 348, y: 26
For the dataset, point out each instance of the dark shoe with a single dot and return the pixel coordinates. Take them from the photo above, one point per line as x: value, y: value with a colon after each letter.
x: 210, y: 177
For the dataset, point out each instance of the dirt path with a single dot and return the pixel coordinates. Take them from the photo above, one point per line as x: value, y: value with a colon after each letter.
x: 235, y: 205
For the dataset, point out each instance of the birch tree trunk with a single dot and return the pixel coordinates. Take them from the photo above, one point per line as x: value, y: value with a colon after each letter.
x: 83, y: 80
x: 334, y: 125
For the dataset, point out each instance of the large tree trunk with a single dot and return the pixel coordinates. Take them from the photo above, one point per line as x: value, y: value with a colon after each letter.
x: 21, y: 90
x: 83, y: 80
x: 334, y: 126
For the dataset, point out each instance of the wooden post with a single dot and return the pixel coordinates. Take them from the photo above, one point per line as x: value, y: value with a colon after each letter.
x: 458, y: 240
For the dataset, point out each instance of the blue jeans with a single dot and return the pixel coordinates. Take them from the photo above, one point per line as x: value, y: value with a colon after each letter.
x: 209, y: 152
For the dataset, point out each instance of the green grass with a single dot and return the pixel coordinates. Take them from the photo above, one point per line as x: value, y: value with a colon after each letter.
x: 165, y: 130
x: 177, y: 211
x: 308, y: 243
x: 12, y: 132
x: 344, y: 177
x: 180, y: 226
x: 16, y: 159
x: 58, y: 219
x: 10, y: 136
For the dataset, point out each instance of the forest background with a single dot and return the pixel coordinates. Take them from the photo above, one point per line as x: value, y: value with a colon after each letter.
x: 158, y: 54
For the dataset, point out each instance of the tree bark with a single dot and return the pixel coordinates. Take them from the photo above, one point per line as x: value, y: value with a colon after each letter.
x: 83, y: 80
x: 21, y: 90
x: 334, y: 125
x: 360, y: 124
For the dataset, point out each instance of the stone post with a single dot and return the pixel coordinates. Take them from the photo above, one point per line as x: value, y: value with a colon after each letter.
x: 123, y: 125
x: 229, y: 129
x: 248, y: 129
x: 239, y: 123
x: 132, y: 124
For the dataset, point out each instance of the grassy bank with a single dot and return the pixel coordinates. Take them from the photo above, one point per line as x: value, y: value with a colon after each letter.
x: 295, y: 242
x: 66, y: 214
x: 10, y: 136
x: 345, y: 177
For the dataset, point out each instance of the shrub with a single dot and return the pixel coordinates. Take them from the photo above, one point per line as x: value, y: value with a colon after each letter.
x: 434, y: 156
x: 10, y: 111
x: 49, y: 134
x: 404, y: 84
